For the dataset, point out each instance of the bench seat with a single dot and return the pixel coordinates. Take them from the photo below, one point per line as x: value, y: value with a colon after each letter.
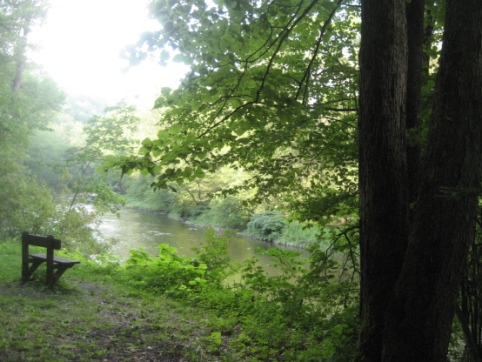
x: 67, y: 263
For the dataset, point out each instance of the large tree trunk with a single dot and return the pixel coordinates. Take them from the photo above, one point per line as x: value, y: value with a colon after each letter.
x: 415, y: 41
x: 408, y: 298
x: 383, y: 166
x: 423, y: 308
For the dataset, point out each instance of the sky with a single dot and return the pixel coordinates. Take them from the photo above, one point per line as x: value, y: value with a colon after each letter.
x: 80, y: 43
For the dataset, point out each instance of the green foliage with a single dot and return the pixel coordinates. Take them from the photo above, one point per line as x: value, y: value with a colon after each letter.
x: 267, y: 225
x: 272, y: 92
x: 46, y: 152
x: 168, y: 273
x: 293, y: 315
x: 214, y: 254
x: 174, y: 275
x: 296, y: 309
x: 301, y: 235
x: 78, y: 194
x: 196, y: 201
x: 214, y: 341
x: 106, y: 134
x: 139, y: 194
x: 28, y: 101
x: 26, y: 204
x: 83, y: 193
x: 305, y: 314
x: 226, y: 213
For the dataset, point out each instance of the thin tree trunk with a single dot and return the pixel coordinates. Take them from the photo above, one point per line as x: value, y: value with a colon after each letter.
x: 20, y: 55
x: 472, y: 347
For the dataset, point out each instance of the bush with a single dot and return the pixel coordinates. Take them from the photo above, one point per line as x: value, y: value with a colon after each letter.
x: 293, y: 315
x: 188, y: 209
x: 168, y: 273
x: 227, y: 213
x: 141, y: 195
x: 268, y: 225
x: 177, y: 276
x: 298, y: 234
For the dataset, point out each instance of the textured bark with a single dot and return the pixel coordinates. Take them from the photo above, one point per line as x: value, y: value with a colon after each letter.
x: 415, y: 41
x: 419, y: 318
x: 411, y: 270
x: 383, y: 167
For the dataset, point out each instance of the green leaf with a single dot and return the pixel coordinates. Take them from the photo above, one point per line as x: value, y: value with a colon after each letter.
x: 175, y: 128
x: 143, y: 151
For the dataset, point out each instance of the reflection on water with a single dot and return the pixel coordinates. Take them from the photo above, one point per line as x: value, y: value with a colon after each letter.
x: 135, y: 229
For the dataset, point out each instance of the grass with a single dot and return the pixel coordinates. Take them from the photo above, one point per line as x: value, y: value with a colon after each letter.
x: 89, y: 316
x: 124, y: 313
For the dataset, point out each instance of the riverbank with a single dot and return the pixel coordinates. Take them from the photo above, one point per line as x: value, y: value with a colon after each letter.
x: 90, y: 316
x: 170, y: 309
x: 137, y: 230
x: 290, y: 234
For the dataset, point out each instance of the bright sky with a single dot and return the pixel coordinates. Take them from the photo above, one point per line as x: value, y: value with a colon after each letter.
x: 80, y: 47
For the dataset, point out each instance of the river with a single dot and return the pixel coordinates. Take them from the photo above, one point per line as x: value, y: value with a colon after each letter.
x: 139, y: 229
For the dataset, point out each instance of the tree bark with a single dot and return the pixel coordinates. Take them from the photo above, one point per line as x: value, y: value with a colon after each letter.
x: 415, y: 41
x: 420, y: 315
x: 383, y: 166
x: 411, y: 271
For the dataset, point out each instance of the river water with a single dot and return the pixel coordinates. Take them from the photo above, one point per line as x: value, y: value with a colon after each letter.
x: 139, y: 229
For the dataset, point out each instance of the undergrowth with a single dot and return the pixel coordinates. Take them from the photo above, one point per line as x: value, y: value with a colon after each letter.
x: 296, y: 315
x: 182, y: 309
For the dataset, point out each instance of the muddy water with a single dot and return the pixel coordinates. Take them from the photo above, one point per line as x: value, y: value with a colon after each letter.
x: 135, y: 229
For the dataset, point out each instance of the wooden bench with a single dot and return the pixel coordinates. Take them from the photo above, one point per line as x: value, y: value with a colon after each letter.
x: 56, y: 266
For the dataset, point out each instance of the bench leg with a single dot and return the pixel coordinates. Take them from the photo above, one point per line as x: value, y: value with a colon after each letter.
x: 58, y: 274
x: 28, y: 271
x: 53, y: 273
x: 54, y: 277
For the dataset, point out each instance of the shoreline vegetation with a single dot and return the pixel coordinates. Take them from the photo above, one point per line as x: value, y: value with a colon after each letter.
x: 168, y: 309
x: 274, y: 229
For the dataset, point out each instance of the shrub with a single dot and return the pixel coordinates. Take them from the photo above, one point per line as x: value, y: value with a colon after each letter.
x: 227, y: 213
x: 140, y: 194
x: 267, y: 225
x: 292, y: 315
x: 167, y: 273
x: 297, y: 234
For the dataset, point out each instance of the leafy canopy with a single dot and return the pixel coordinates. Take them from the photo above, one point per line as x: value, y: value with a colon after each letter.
x: 272, y: 90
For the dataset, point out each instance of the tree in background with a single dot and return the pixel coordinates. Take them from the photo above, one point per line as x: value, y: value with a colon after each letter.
x: 88, y: 192
x: 106, y: 135
x: 20, y: 90
x: 28, y: 101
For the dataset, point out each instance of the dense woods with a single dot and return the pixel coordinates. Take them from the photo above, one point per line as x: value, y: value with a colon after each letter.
x: 349, y: 128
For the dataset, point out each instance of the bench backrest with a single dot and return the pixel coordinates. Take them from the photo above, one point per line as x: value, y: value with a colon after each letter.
x: 48, y: 242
